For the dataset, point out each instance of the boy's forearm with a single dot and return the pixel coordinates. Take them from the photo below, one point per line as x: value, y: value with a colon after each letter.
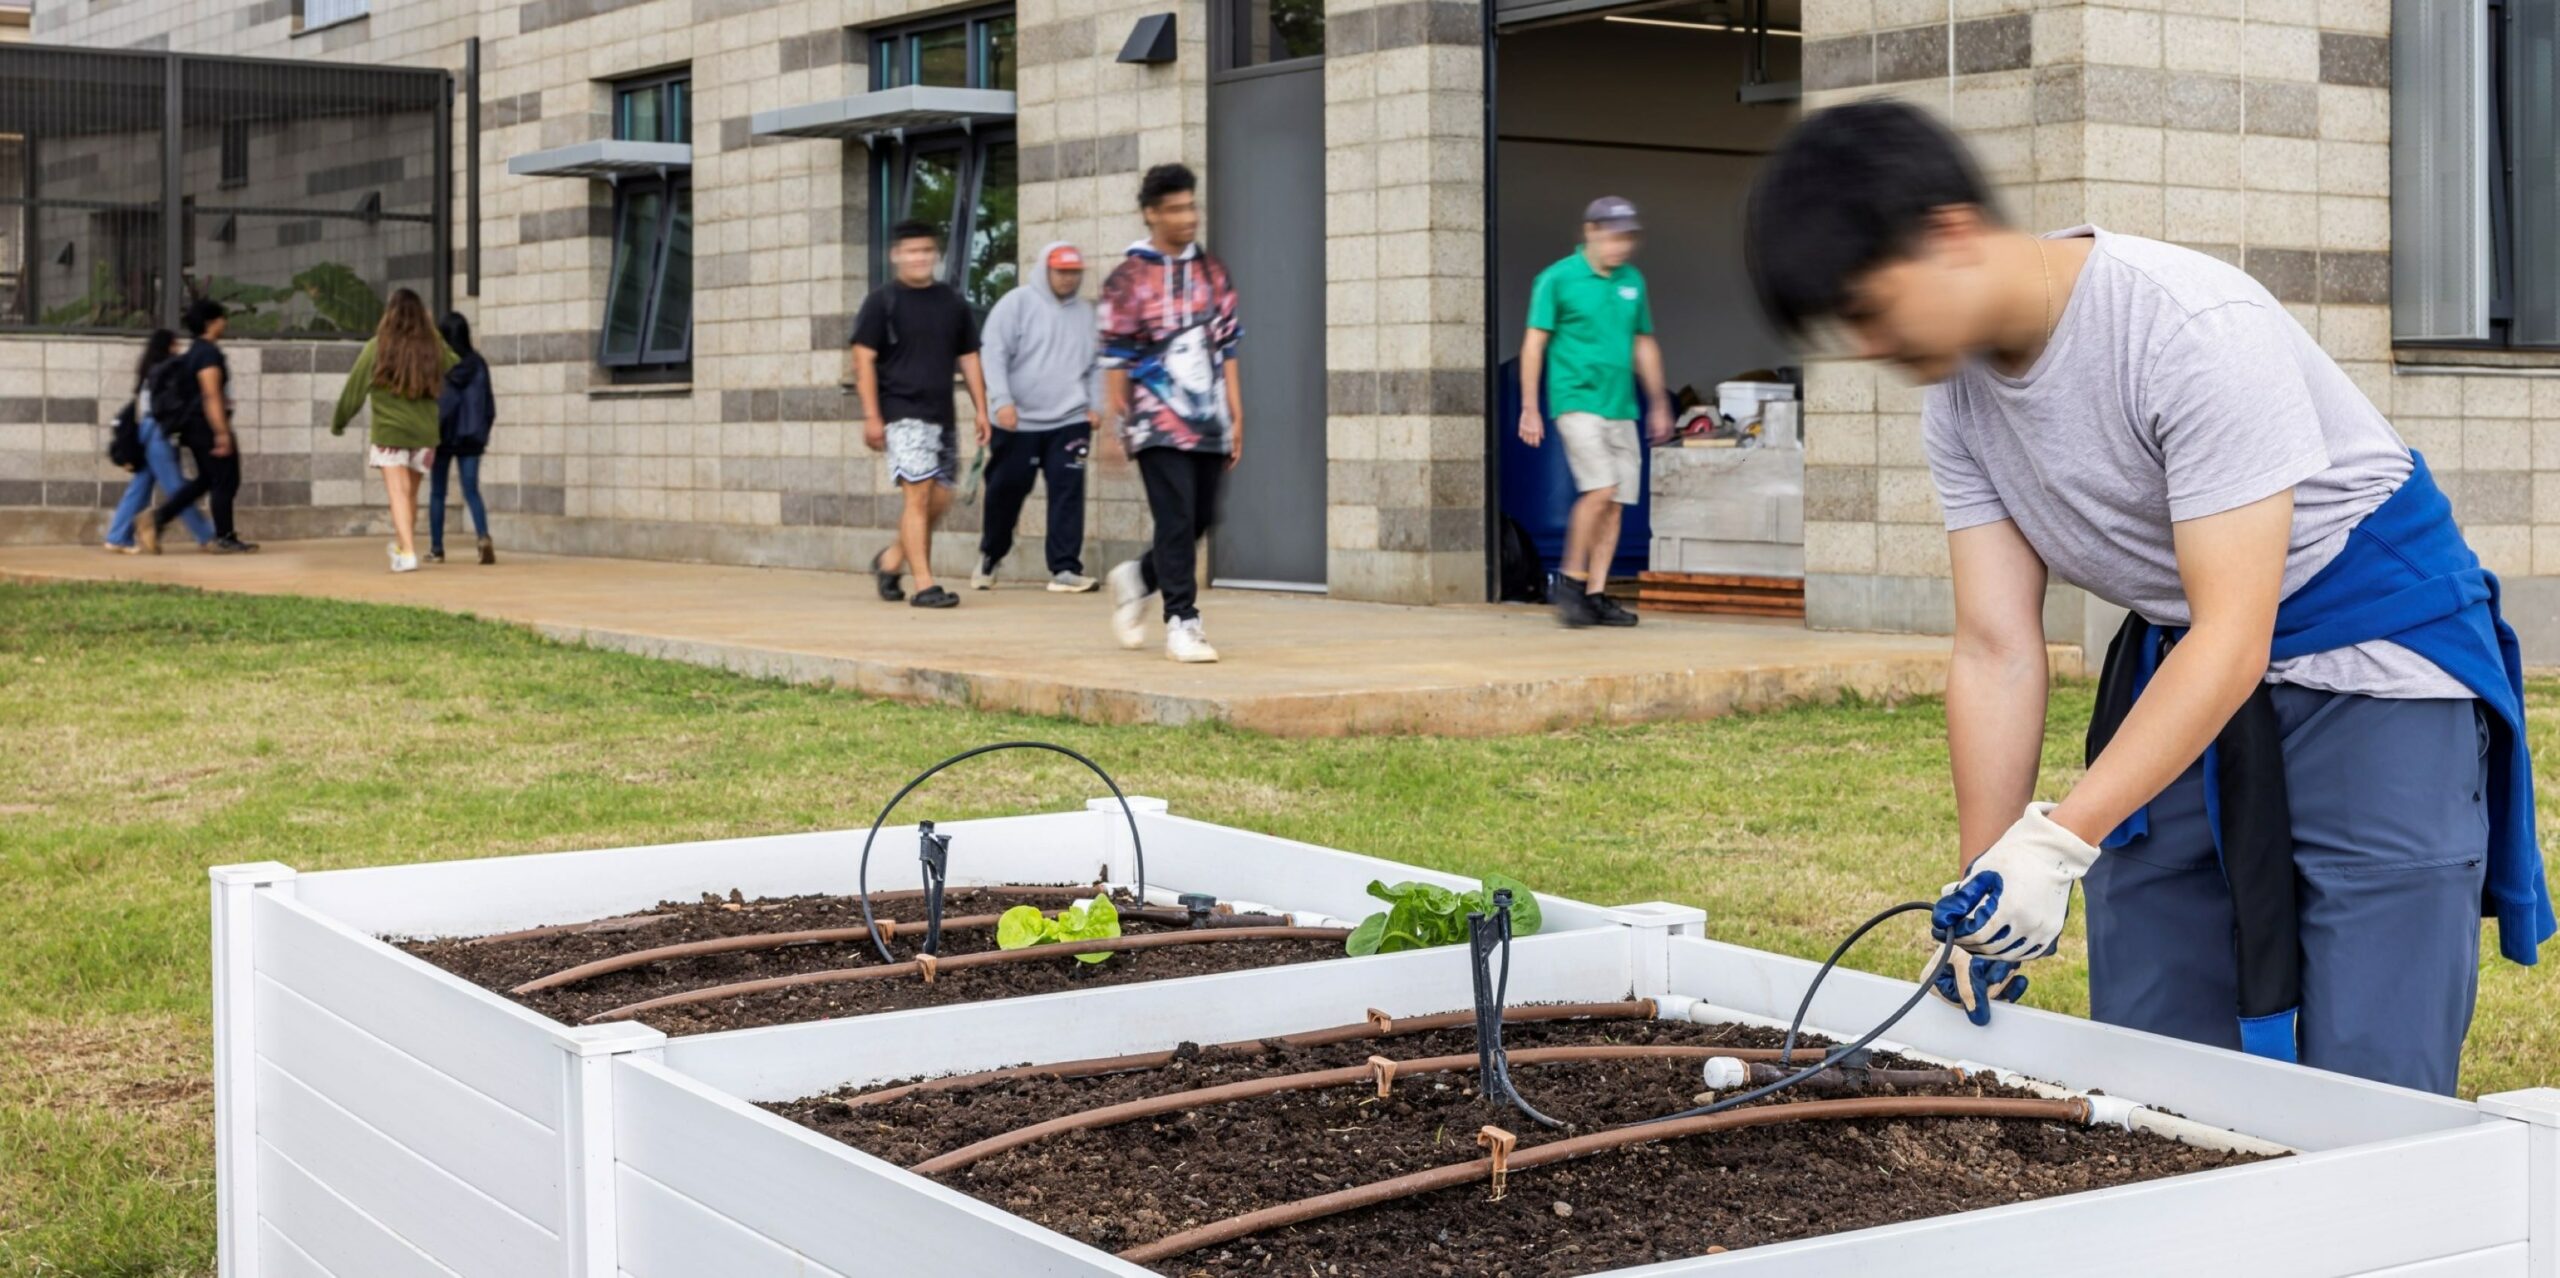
x: 1649, y: 370
x: 866, y: 382
x: 1995, y: 737
x: 2196, y: 690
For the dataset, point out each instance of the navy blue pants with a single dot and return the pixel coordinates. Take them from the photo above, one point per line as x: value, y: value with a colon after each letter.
x: 1017, y: 458
x: 2391, y: 838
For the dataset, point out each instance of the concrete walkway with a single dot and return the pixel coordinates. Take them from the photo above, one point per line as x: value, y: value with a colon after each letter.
x: 1294, y: 665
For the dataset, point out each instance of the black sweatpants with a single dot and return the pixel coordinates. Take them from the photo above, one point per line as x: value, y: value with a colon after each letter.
x: 217, y: 481
x: 1016, y: 460
x: 1183, y: 491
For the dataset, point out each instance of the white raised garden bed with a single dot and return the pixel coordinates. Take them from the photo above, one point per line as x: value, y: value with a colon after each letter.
x: 375, y: 1115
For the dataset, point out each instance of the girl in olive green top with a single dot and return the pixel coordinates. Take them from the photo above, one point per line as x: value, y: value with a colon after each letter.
x: 398, y: 373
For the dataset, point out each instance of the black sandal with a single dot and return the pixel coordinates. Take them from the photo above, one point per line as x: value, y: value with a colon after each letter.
x: 887, y: 579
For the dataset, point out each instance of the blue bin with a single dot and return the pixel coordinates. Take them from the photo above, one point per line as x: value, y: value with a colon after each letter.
x: 1537, y: 489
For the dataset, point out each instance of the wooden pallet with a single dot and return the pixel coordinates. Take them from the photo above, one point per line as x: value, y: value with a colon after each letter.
x: 1721, y: 593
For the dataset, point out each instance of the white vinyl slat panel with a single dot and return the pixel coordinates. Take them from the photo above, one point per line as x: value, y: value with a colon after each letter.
x: 279, y: 1258
x: 788, y: 1062
x: 2440, y: 132
x: 479, y: 1141
x: 2287, y: 1104
x: 2348, y: 1212
x: 328, y: 1229
x: 2510, y: 1261
x: 493, y: 1046
x: 667, y: 1235
x: 451, y: 1222
x: 842, y: 1208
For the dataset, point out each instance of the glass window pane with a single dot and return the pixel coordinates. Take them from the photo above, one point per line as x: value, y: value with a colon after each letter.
x: 942, y: 56
x: 887, y: 71
x: 1278, y: 30
x: 635, y: 255
x: 933, y: 186
x: 671, y: 320
x: 995, y: 239
x: 679, y: 109
x: 996, y: 36
x: 2534, y: 99
x: 637, y: 118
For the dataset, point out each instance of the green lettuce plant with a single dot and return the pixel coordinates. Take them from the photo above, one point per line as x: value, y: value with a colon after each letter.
x: 1024, y: 926
x: 1421, y: 915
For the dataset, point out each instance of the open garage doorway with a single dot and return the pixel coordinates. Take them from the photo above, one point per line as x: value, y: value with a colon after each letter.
x: 1674, y: 107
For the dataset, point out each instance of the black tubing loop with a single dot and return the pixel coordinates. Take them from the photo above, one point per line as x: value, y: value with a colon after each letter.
x: 1945, y: 952
x: 862, y: 878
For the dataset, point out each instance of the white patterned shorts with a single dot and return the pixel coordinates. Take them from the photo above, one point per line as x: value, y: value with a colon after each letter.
x: 420, y: 460
x: 921, y: 450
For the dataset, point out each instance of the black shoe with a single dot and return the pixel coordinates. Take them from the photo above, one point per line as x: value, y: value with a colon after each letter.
x: 934, y: 597
x: 1609, y: 612
x: 1573, y: 608
x: 890, y: 590
x: 231, y: 545
x: 435, y: 554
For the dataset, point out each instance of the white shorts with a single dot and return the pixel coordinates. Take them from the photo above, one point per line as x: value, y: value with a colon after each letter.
x: 1603, y: 454
x: 420, y: 460
x: 922, y: 450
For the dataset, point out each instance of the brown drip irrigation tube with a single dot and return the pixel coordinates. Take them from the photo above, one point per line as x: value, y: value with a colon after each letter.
x: 1421, y: 1182
x: 1379, y: 1068
x: 1037, y: 891
x: 1379, y: 1026
x: 990, y: 958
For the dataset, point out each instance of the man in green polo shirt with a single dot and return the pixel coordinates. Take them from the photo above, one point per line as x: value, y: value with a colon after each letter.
x: 1590, y: 337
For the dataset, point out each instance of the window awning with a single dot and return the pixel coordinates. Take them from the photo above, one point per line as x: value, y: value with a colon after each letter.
x: 607, y: 158
x: 909, y: 107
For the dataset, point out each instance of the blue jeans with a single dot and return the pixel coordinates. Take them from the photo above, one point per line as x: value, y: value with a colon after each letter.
x: 2390, y: 842
x: 160, y: 466
x: 470, y: 497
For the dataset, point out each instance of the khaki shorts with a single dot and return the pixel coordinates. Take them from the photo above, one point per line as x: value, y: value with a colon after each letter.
x: 1603, y: 454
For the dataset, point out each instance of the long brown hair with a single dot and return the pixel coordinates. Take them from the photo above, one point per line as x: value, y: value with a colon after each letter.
x: 407, y: 357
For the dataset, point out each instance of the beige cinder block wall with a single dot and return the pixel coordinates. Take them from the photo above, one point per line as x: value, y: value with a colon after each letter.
x: 2255, y: 130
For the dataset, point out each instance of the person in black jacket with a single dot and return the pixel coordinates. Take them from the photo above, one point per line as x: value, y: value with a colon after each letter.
x: 465, y: 409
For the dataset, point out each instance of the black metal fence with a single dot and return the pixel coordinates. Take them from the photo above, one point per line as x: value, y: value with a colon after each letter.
x: 299, y: 194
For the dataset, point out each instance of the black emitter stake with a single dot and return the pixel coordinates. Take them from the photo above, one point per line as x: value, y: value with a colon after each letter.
x: 933, y: 851
x: 1493, y: 1065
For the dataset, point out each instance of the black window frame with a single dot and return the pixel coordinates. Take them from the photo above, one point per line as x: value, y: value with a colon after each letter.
x: 674, y: 191
x: 893, y: 60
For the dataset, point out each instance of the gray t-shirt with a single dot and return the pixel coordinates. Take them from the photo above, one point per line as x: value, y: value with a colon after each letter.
x: 2175, y: 387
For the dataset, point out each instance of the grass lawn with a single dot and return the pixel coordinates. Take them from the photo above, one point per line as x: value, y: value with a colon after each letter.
x: 147, y: 733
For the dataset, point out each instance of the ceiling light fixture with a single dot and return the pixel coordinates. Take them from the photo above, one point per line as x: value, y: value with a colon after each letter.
x: 1730, y: 28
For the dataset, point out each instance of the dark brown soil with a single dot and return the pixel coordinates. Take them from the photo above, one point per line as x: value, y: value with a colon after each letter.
x: 502, y: 965
x: 1120, y: 1187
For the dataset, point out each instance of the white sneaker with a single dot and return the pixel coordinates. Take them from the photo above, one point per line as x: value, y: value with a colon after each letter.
x: 1071, y: 583
x: 1129, y: 596
x: 985, y: 576
x: 392, y: 548
x: 1184, y: 641
x: 403, y: 563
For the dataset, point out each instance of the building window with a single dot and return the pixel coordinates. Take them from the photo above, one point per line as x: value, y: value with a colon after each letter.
x: 235, y: 154
x: 961, y: 181
x: 1265, y: 31
x: 311, y: 15
x: 2475, y: 174
x: 648, y: 309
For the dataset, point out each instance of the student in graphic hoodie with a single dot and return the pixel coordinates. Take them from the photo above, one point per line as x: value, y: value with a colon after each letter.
x: 1169, y: 336
x: 1037, y: 347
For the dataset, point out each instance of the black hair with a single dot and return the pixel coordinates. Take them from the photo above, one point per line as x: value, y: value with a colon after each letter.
x: 457, y: 333
x: 201, y: 313
x: 1848, y: 190
x: 912, y: 229
x: 162, y: 344
x: 1164, y: 181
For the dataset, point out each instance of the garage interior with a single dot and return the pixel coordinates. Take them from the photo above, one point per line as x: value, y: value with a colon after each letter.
x: 1673, y: 106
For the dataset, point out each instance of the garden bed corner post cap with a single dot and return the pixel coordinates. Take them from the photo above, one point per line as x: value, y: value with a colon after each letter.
x: 2539, y: 1106
x: 250, y: 874
x: 612, y: 1038
x: 1137, y: 803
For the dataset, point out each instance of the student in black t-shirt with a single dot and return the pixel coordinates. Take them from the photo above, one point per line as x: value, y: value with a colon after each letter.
x: 910, y: 336
x: 200, y: 418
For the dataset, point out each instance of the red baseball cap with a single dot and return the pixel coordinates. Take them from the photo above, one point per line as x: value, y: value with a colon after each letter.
x: 1066, y: 258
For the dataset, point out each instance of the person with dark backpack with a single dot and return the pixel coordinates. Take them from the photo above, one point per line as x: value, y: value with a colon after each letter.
x: 912, y: 335
x: 465, y: 409
x: 143, y: 447
x: 191, y: 397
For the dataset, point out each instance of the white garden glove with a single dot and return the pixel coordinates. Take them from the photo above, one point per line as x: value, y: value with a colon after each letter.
x: 2013, y: 900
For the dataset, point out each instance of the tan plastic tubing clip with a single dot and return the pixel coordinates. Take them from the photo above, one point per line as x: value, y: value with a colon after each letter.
x: 1499, y: 1143
x: 1385, y: 1070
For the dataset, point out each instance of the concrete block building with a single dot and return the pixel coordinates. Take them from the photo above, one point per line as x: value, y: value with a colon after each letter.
x: 661, y: 215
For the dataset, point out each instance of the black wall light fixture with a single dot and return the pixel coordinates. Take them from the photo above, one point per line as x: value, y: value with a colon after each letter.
x: 228, y: 231
x: 1151, y: 41
x: 63, y: 258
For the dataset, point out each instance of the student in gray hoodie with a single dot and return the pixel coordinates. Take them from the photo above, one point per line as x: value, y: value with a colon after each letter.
x: 1044, y: 383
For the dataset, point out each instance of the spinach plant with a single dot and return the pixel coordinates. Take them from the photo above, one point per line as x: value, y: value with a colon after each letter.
x: 1421, y: 915
x: 1024, y: 926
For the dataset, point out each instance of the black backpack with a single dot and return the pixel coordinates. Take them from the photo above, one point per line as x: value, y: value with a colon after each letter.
x: 124, y: 442
x: 1524, y: 579
x: 175, y: 397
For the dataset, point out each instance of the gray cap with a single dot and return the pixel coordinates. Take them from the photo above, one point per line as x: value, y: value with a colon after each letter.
x: 1612, y: 214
